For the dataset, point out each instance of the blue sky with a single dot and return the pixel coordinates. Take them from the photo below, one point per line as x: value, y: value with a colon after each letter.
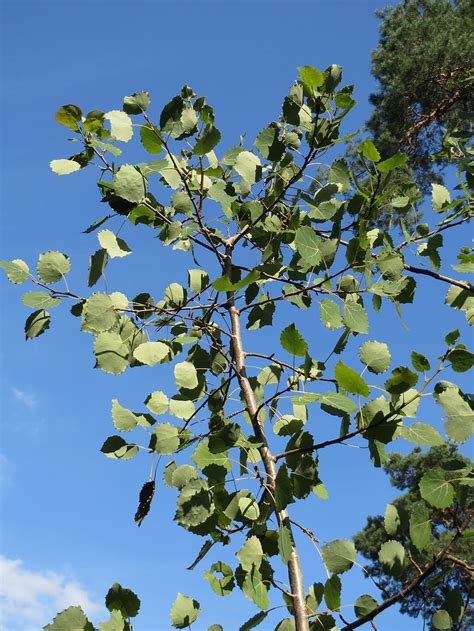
x: 67, y: 512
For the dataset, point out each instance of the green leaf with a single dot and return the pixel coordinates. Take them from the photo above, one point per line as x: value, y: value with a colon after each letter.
x: 182, y: 475
x: 123, y: 600
x: 461, y: 359
x: 221, y: 585
x: 255, y: 589
x: 249, y: 508
x: 254, y: 621
x: 421, y: 434
x: 250, y: 554
x: 71, y: 619
x: 441, y: 619
x: 98, y: 313
x: 269, y: 375
x: 439, y: 197
x: 97, y: 263
x: 116, y: 622
x: 64, y: 167
x: 248, y: 166
x: 52, y: 266
x: 283, y: 489
x: 310, y: 77
x: 184, y: 611
x: 392, y: 163
x: 119, y: 300
x: 69, y: 116
x: 150, y: 138
x: 114, y: 246
x: 420, y: 526
x: 287, y: 425
x: 137, y: 103
x: 175, y: 294
x: 355, y: 317
x: 194, y: 506
x: 185, y: 375
x: 337, y: 404
x: 124, y: 420
x: 206, y: 460
x: 150, y: 353
x: 120, y: 125
x: 157, y: 402
x: 332, y: 592
x: 349, y: 380
x: 40, y: 299
x: 225, y: 284
x: 460, y: 417
x: 198, y: 280
x: 308, y: 245
x: 330, y: 314
x: 402, y: 379
x: 181, y: 408
x: 392, y: 557
x: 452, y: 337
x: 111, y: 353
x: 17, y: 271
x: 209, y: 139
x: 207, y: 545
x: 369, y: 150
x: 419, y: 362
x: 339, y: 555
x: 376, y: 356
x: 364, y: 605
x: 293, y: 342
x: 320, y: 491
x: 94, y: 123
x: 116, y: 448
x: 454, y: 604
x: 269, y: 145
x: 391, y: 519
x: 129, y: 184
x: 36, y: 324
x: 285, y: 544
x: 435, y: 489
x: 164, y: 439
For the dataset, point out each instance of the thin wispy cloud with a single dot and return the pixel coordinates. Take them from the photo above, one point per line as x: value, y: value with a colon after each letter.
x: 29, y: 600
x: 28, y: 399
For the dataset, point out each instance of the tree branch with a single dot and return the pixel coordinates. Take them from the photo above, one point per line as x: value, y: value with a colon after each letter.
x: 452, y: 281
x: 427, y: 571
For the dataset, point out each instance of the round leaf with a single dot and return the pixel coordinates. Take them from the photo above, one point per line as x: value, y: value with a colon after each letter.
x: 392, y: 557
x: 436, y: 490
x: 185, y: 375
x: 64, y: 167
x: 165, y: 439
x: 184, y: 611
x: 120, y: 125
x: 17, y: 271
x: 129, y: 184
x: 157, y: 402
x: 52, y: 266
x: 41, y: 299
x: 98, y: 313
x: 364, y: 605
x: 339, y: 555
x: 150, y: 353
x: 293, y: 342
x: 111, y: 354
x: 114, y: 246
x: 376, y: 356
